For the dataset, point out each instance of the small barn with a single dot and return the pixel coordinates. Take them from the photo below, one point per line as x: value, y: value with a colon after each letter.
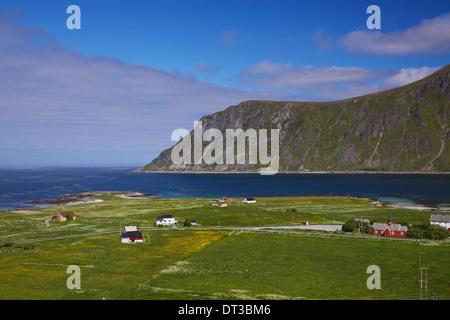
x: 222, y: 204
x: 64, y: 216
x: 219, y: 203
x: 362, y: 220
x: 249, y: 200
x: 223, y: 199
x: 131, y: 235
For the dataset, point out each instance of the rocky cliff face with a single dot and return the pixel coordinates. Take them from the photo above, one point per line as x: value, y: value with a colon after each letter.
x: 404, y: 129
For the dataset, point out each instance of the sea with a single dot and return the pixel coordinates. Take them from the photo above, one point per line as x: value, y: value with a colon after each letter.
x: 20, y: 186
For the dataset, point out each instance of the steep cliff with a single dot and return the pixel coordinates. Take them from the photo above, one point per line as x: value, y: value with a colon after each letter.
x: 405, y: 129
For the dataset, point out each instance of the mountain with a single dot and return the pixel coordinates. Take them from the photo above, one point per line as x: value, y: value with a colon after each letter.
x: 405, y: 129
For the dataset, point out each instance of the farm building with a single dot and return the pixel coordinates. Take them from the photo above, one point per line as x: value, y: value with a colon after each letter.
x: 220, y: 204
x: 223, y: 199
x: 249, y: 200
x: 389, y: 229
x: 362, y: 220
x: 441, y: 219
x: 131, y: 235
x: 165, y: 220
x: 64, y: 216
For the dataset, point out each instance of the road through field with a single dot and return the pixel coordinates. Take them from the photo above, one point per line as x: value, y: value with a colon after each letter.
x: 329, y: 227
x: 286, y: 229
x: 321, y: 227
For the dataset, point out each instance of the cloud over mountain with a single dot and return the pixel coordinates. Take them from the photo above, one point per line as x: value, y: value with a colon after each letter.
x: 431, y: 36
x: 327, y: 83
x: 59, y: 104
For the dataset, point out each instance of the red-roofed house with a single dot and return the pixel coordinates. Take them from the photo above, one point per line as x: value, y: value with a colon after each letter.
x: 64, y: 216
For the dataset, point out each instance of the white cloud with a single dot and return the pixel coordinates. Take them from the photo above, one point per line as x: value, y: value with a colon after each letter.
x: 408, y: 75
x: 327, y: 83
x: 55, y: 100
x: 431, y: 36
x: 285, y: 76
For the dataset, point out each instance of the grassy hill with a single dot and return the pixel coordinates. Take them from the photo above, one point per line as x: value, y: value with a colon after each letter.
x: 405, y: 129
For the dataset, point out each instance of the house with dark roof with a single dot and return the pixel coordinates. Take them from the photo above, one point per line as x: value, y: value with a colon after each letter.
x: 165, y: 220
x: 131, y: 235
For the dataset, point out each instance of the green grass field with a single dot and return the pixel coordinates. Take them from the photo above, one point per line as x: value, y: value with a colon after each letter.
x: 109, y: 269
x: 251, y: 265
x: 202, y: 263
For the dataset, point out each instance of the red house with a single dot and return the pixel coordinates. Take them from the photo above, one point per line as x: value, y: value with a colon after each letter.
x: 389, y: 229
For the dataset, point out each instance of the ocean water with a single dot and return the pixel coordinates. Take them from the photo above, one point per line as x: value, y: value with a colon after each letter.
x: 18, y: 187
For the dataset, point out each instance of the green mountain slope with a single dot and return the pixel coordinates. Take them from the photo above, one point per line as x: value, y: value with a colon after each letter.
x: 405, y: 129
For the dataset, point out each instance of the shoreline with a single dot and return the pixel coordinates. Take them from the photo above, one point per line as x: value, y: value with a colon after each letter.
x: 288, y: 172
x: 88, y: 197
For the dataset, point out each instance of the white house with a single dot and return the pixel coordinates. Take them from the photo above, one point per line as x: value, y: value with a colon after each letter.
x: 441, y: 219
x: 165, y: 220
x: 249, y: 200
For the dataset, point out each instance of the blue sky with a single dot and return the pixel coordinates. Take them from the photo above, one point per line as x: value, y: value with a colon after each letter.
x: 113, y: 91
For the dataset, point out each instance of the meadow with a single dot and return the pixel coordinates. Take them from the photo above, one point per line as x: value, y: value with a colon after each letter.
x: 203, y: 262
x: 290, y: 266
x: 109, y: 269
